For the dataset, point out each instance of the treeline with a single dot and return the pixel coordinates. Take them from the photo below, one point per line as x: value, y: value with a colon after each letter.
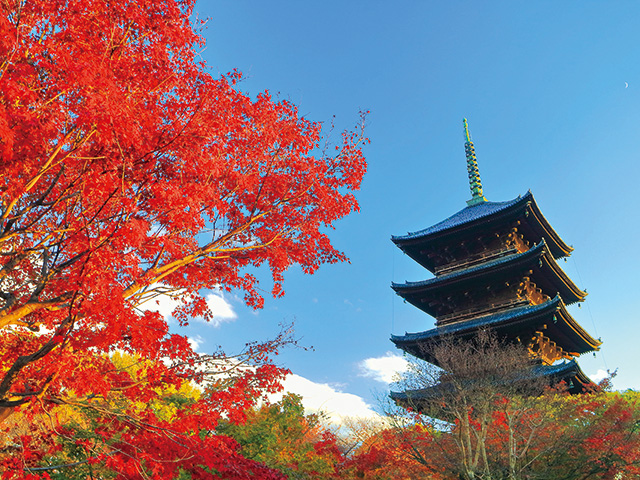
x: 477, y: 431
x: 554, y: 436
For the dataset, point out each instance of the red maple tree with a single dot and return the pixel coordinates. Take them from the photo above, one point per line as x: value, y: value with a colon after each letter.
x: 129, y: 172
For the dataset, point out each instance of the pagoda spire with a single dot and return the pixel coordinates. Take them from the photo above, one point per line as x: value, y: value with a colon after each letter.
x: 475, y: 184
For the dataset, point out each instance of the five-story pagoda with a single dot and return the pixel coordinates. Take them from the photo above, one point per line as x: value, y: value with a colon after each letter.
x: 494, y: 266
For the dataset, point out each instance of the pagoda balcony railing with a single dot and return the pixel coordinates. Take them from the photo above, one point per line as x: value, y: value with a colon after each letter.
x: 478, y: 312
x: 475, y: 260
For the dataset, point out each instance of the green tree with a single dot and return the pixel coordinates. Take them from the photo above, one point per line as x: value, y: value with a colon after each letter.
x: 283, y: 437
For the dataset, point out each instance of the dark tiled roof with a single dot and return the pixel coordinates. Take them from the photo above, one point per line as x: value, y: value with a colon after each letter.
x: 561, y: 371
x: 488, y: 321
x: 465, y: 215
x: 532, y: 252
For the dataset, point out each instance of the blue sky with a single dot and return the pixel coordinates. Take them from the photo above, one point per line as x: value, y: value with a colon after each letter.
x: 551, y: 91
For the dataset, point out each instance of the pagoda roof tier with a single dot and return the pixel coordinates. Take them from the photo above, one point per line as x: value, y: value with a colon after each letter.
x: 536, y: 263
x: 481, y: 218
x: 569, y: 372
x: 551, y: 318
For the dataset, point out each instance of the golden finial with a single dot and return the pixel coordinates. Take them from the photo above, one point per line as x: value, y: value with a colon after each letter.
x: 475, y: 184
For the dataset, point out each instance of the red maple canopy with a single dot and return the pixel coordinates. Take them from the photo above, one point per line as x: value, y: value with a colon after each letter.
x: 128, y: 171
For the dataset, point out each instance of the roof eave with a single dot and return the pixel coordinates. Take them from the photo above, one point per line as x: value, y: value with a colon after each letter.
x: 576, y: 338
x: 416, y: 237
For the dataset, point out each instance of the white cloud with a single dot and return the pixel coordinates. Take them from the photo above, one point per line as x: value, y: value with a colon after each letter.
x: 599, y: 375
x: 323, y: 397
x: 384, y: 369
x: 166, y: 303
x: 163, y: 304
x: 195, y: 342
x: 222, y: 310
